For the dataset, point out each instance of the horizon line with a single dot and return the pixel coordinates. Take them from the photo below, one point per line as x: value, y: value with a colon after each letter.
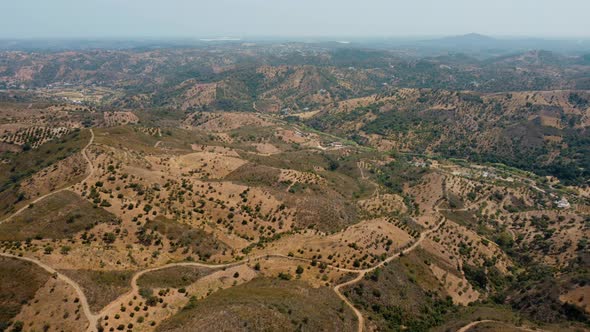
x: 230, y: 37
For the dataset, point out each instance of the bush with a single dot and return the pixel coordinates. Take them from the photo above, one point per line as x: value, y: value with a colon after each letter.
x: 476, y: 276
x: 299, y: 269
x: 65, y: 250
x: 285, y: 276
x: 145, y: 292
x: 18, y: 326
x: 109, y: 238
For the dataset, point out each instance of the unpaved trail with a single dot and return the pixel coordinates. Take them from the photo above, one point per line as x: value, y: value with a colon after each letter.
x: 473, y: 324
x: 38, y: 199
x: 361, y: 274
x: 359, y: 315
x: 85, y: 154
x: 361, y: 319
x: 92, y: 319
x: 137, y: 275
x: 157, y: 144
x: 469, y: 326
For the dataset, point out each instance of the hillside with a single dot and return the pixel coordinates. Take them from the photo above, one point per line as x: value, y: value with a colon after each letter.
x: 291, y: 186
x: 545, y: 132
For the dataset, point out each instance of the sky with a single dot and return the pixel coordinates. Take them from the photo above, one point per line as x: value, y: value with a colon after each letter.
x: 291, y: 18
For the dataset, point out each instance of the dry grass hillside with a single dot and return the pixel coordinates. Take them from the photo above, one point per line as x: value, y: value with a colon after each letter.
x: 295, y: 187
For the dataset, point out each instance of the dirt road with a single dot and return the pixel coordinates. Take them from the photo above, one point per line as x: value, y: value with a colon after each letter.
x: 469, y: 326
x: 38, y: 199
x: 136, y: 276
x: 361, y: 273
x: 92, y: 319
x: 473, y: 324
x: 361, y: 319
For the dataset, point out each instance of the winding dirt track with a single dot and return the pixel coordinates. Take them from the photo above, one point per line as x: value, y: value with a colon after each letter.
x: 361, y: 274
x: 38, y: 199
x: 136, y: 276
x: 92, y: 319
x: 361, y: 319
x: 469, y: 326
x: 472, y: 324
x: 359, y: 315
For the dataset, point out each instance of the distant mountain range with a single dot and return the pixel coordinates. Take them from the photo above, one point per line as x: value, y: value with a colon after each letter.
x: 478, y: 42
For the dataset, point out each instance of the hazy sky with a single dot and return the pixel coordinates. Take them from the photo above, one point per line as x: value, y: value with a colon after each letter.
x: 242, y: 18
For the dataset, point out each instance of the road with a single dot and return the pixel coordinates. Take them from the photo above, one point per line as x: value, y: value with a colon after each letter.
x: 361, y: 274
x: 137, y: 275
x: 473, y: 324
x: 358, y: 313
x: 92, y: 319
x: 361, y: 319
x: 40, y: 198
x: 469, y: 326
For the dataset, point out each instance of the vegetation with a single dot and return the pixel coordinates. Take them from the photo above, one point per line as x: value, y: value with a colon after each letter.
x: 399, y: 172
x: 20, y: 166
x: 266, y: 304
x: 181, y: 235
x: 101, y: 287
x: 58, y: 216
x: 338, y: 158
x: 173, y: 277
x: 14, y: 292
x: 402, y: 296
